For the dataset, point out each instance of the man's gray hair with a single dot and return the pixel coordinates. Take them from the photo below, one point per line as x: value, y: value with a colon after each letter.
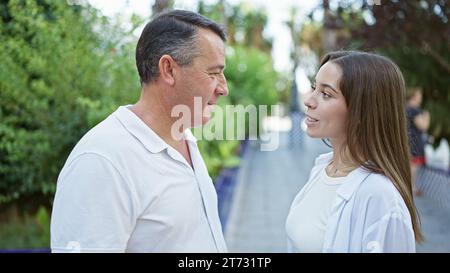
x: 171, y: 33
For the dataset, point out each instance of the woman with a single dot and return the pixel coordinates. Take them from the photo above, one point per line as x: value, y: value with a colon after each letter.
x: 359, y: 197
x: 418, y: 124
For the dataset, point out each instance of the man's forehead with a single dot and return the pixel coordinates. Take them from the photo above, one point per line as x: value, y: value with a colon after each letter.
x: 207, y: 37
x: 212, y: 49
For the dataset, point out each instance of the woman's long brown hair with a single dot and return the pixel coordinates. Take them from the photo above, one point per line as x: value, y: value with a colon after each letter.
x: 374, y: 90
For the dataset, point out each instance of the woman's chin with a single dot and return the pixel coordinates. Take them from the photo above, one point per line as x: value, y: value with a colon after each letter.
x: 311, y: 133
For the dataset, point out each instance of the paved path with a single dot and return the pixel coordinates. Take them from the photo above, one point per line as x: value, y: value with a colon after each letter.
x: 435, y: 224
x: 268, y: 182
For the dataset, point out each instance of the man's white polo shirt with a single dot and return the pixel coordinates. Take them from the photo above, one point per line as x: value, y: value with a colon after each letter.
x: 123, y: 189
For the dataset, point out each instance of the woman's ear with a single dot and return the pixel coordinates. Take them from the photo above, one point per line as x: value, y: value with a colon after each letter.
x: 166, y: 67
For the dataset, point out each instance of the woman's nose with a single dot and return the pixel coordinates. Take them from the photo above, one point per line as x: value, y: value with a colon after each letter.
x: 310, y: 101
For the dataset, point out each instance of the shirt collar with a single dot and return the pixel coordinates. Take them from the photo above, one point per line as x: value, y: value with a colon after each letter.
x: 352, y: 181
x: 135, y: 126
x: 189, y: 136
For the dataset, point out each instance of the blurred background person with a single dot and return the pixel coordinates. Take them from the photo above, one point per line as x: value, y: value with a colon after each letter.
x: 418, y: 124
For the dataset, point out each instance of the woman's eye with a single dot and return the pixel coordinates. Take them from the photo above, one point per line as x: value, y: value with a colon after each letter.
x: 313, y: 87
x: 326, y: 95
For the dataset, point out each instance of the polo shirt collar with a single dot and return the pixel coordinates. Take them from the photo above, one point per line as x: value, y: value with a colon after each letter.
x: 189, y: 136
x: 135, y: 126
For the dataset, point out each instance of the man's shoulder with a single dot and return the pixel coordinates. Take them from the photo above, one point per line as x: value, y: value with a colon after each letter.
x: 107, y: 132
x: 105, y: 139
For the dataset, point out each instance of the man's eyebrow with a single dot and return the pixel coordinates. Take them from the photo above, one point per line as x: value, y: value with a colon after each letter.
x: 220, y: 66
x: 329, y: 86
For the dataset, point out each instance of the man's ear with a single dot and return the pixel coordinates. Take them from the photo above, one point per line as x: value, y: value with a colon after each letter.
x: 166, y: 67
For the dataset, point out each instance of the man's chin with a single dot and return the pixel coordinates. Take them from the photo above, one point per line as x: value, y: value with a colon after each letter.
x: 205, y: 120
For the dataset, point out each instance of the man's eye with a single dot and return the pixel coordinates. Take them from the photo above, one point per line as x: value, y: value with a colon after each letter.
x: 313, y: 87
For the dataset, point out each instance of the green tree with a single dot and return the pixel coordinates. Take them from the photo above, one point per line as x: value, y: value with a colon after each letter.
x: 245, y: 25
x: 250, y: 74
x: 416, y: 35
x: 58, y: 78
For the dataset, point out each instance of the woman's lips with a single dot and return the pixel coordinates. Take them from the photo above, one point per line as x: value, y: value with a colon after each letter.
x: 310, y: 120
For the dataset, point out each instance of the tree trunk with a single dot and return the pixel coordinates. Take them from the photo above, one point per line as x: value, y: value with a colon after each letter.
x: 160, y: 6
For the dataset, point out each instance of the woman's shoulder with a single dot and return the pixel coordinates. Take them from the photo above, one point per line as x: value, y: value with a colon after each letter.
x: 379, y: 191
x: 378, y: 186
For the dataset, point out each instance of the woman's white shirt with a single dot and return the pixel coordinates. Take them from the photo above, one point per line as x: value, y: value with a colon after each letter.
x: 309, y: 216
x: 364, y: 213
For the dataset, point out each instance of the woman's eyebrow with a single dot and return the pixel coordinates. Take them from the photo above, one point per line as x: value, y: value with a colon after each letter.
x: 329, y: 86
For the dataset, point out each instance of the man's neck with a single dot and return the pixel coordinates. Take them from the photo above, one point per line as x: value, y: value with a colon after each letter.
x: 155, y: 113
x: 160, y: 121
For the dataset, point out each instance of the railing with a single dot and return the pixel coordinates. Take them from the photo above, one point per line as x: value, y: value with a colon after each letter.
x: 435, y: 184
x: 225, y: 184
x: 30, y: 250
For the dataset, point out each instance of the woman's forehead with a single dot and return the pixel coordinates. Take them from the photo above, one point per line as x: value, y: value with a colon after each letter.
x: 329, y: 73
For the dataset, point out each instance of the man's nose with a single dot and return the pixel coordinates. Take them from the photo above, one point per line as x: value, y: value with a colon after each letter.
x: 222, y: 87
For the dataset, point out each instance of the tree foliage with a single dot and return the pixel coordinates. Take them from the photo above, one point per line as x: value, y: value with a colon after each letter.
x: 416, y: 35
x: 58, y: 78
x: 64, y: 69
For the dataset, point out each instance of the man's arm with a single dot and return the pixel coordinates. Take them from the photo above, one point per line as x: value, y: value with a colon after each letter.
x: 93, y: 207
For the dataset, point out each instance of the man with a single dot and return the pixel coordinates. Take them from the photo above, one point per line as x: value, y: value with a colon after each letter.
x: 131, y: 184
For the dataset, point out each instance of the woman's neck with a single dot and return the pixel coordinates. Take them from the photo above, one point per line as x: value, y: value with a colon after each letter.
x: 341, y: 163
